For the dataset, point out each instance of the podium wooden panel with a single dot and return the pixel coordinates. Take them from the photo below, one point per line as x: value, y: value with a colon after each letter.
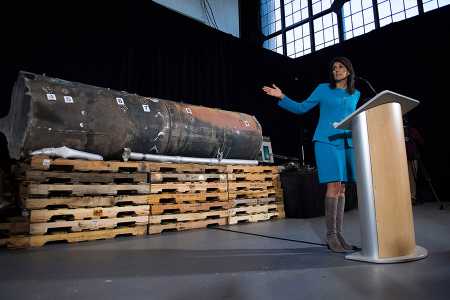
x: 384, y: 198
x: 390, y: 182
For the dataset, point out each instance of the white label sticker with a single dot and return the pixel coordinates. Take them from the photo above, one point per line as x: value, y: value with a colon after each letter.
x: 188, y: 110
x: 46, y: 162
x: 120, y: 101
x: 146, y: 107
x: 68, y: 99
x: 51, y: 97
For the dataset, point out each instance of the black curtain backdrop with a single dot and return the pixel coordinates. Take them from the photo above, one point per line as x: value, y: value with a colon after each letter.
x: 144, y: 48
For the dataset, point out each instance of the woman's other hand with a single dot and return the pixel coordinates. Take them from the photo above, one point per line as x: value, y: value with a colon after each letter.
x: 273, y: 91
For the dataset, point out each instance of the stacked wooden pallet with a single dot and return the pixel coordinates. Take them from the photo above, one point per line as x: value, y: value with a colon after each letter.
x: 10, y: 227
x: 7, y: 185
x: 187, y: 196
x: 254, y: 194
x: 278, y: 190
x: 76, y: 200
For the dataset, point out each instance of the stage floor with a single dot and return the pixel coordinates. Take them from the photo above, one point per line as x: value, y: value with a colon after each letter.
x: 217, y: 264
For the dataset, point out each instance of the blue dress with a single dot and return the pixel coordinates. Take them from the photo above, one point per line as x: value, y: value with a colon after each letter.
x: 333, y: 147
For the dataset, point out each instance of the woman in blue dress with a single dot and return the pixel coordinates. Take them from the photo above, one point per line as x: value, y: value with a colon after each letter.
x: 333, y: 147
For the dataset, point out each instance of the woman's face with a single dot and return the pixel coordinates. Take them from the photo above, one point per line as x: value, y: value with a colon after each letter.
x: 340, y: 72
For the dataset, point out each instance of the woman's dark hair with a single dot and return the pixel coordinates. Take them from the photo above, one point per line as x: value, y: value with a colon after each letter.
x: 350, y: 79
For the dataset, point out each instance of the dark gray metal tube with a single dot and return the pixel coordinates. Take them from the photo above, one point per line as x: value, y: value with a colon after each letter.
x: 128, y: 155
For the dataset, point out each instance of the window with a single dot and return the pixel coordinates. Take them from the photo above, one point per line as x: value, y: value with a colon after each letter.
x: 433, y: 4
x: 358, y: 18
x: 295, y: 11
x: 275, y: 44
x: 298, y: 27
x: 320, y: 5
x: 298, y: 41
x: 326, y: 31
x: 390, y: 11
x: 270, y: 16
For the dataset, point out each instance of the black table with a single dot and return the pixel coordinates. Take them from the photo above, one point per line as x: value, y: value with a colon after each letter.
x: 304, y: 196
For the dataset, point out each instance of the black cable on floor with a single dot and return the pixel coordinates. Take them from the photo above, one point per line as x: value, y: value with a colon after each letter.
x: 270, y: 237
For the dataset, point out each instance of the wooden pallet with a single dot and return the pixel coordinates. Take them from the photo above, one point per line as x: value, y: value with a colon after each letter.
x: 252, y: 201
x: 172, y: 218
x: 155, y: 229
x: 84, y: 177
x: 80, y: 225
x: 123, y: 200
x: 7, y: 233
x: 73, y: 237
x: 86, y: 201
x: 187, y: 197
x: 45, y: 215
x: 277, y: 181
x: 183, y: 177
x: 85, y: 189
x: 281, y: 212
x: 253, y: 218
x: 252, y: 176
x: 4, y: 241
x: 245, y: 194
x: 250, y: 210
x: 11, y: 228
x: 279, y: 196
x: 159, y: 209
x: 60, y: 164
x: 249, y: 185
x: 13, y: 219
x: 252, y: 169
x: 46, y: 163
x: 183, y: 168
x: 186, y: 187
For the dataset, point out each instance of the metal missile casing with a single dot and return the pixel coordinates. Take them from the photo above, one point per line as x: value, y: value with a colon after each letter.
x: 49, y: 112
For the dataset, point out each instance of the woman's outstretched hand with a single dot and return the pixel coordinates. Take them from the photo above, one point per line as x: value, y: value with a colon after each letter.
x: 273, y: 91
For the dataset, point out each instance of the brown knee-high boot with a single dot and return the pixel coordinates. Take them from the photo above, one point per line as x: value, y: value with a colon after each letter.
x: 330, y: 217
x: 340, y: 223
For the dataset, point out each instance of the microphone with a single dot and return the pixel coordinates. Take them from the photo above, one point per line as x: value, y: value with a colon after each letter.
x: 368, y: 84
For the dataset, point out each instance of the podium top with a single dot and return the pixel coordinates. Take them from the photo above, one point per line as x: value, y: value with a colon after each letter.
x: 383, y: 97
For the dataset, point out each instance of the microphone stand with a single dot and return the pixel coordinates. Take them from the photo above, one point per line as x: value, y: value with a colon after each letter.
x: 367, y: 83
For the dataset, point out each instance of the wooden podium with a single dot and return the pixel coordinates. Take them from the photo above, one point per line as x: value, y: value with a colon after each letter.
x: 384, y: 197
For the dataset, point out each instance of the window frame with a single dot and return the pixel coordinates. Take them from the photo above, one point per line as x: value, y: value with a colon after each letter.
x: 337, y: 8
